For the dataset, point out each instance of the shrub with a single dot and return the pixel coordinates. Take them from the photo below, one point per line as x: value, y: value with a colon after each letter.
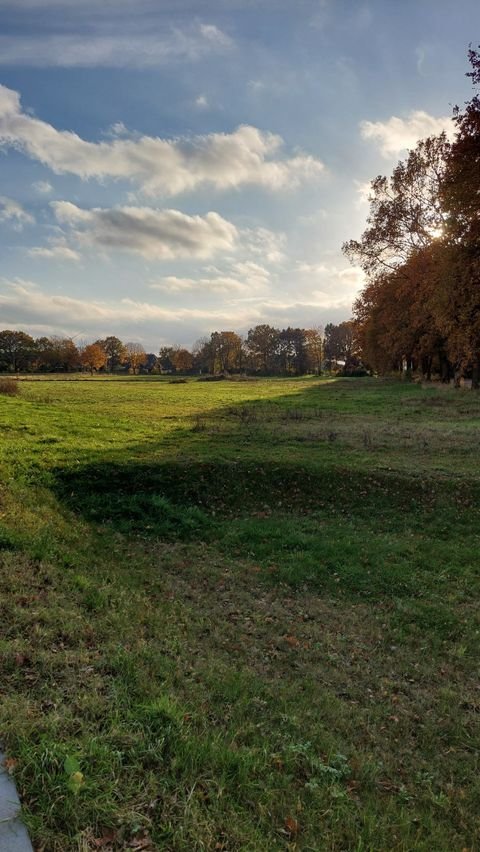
x: 9, y: 387
x: 355, y: 372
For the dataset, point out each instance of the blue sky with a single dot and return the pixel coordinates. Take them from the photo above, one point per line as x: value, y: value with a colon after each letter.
x: 171, y: 168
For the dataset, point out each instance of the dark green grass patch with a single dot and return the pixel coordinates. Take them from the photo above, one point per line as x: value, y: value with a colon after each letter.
x: 305, y: 527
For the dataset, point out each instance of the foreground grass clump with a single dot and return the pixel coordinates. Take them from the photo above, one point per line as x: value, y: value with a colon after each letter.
x: 241, y: 615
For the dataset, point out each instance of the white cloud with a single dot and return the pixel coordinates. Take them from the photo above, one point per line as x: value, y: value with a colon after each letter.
x: 363, y: 189
x: 202, y: 102
x: 114, y: 51
x: 215, y: 36
x: 256, y: 86
x: 332, y: 286
x: 252, y: 273
x: 269, y: 245
x: 220, y: 284
x: 43, y: 187
x: 243, y: 278
x: 398, y: 134
x: 12, y: 211
x: 58, y: 249
x: 153, y: 234
x: 118, y: 129
x: 158, y: 166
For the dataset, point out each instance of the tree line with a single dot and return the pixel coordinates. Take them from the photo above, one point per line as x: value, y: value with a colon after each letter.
x: 420, y: 308
x: 265, y: 350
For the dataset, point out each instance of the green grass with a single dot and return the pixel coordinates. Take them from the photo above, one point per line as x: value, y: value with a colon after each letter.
x: 245, y: 612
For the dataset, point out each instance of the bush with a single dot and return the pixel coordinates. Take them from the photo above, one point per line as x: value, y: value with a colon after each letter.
x: 9, y: 387
x: 355, y: 372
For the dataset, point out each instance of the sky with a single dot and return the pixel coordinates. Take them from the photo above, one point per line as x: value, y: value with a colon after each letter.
x: 173, y: 167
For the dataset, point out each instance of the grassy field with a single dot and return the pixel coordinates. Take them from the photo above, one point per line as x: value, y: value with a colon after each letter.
x: 241, y: 615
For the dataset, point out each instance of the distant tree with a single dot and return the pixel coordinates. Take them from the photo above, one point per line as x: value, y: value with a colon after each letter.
x: 314, y: 349
x: 175, y: 359
x: 93, y: 357
x: 43, y: 347
x: 293, y: 351
x: 165, y: 359
x: 135, y: 356
x: 202, y: 355
x: 150, y: 362
x: 61, y: 355
x: 225, y: 351
x: 340, y: 345
x: 17, y: 350
x: 182, y: 360
x: 114, y: 350
x: 262, y: 346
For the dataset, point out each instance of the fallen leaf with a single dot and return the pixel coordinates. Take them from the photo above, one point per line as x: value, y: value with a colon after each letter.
x: 291, y: 825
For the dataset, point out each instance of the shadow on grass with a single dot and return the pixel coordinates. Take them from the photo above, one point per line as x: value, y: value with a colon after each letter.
x: 330, y: 526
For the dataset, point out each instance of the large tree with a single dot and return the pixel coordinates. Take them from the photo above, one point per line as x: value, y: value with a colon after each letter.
x: 458, y: 304
x: 406, y: 210
x: 461, y: 184
x: 421, y: 253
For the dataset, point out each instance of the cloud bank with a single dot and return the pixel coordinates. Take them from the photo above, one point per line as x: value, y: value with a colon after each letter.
x: 157, y: 166
x: 26, y: 306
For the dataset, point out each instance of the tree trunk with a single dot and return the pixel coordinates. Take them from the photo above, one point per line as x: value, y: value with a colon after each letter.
x: 476, y: 374
x: 445, y: 370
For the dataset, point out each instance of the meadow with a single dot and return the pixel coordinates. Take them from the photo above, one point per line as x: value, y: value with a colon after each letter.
x: 241, y: 615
